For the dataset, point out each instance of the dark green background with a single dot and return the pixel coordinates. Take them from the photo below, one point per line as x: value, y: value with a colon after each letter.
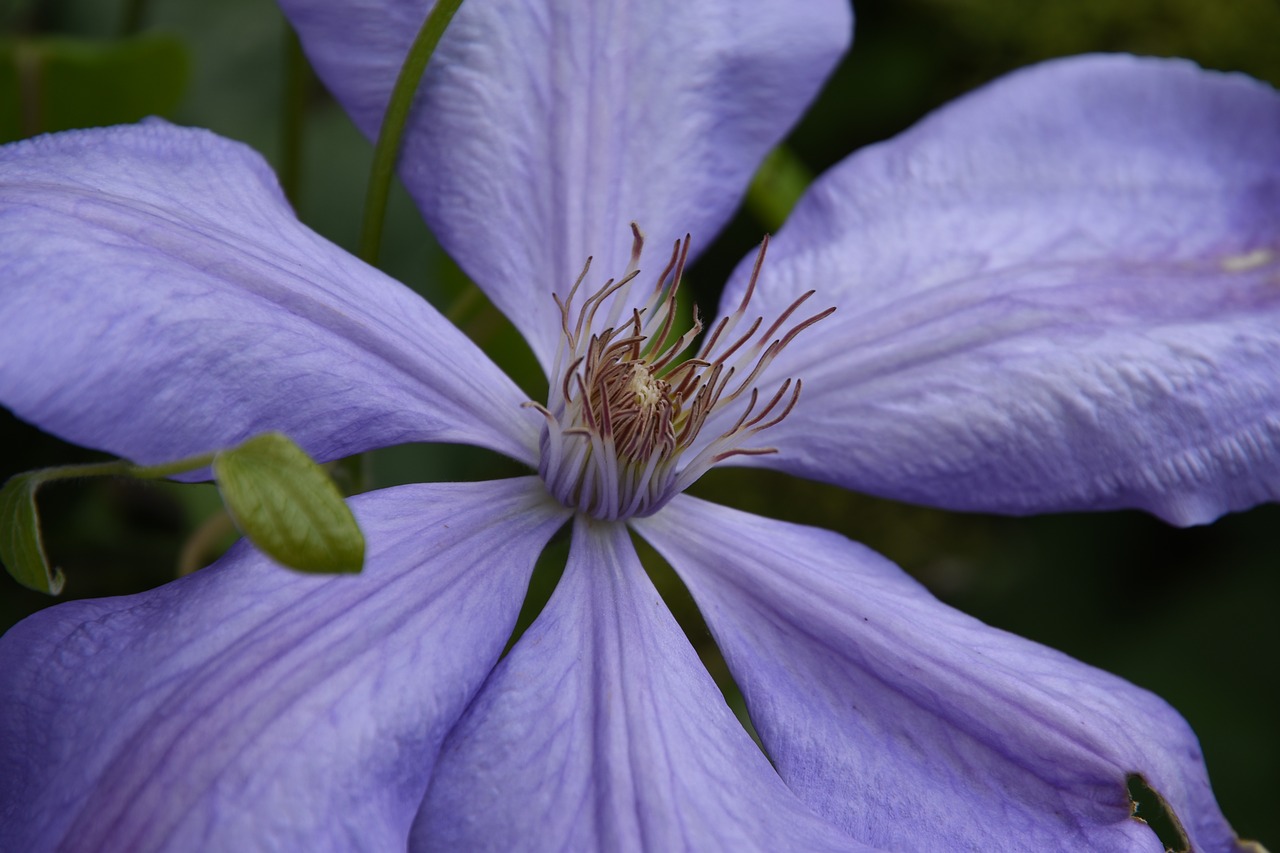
x: 1190, y: 614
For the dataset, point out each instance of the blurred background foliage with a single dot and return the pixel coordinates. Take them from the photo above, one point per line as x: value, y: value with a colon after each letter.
x: 1190, y: 614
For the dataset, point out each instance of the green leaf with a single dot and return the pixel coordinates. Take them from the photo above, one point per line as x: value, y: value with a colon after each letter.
x: 49, y: 84
x: 21, y: 548
x: 286, y: 505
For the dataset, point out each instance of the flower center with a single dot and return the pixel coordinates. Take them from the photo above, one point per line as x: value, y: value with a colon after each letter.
x: 625, y: 416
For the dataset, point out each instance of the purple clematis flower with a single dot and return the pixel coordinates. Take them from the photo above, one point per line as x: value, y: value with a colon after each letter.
x: 1060, y: 292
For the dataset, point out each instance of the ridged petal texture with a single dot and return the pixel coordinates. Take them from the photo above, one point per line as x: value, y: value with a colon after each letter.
x: 248, y: 707
x: 162, y: 300
x: 544, y: 127
x: 912, y: 726
x: 602, y: 731
x: 1060, y: 292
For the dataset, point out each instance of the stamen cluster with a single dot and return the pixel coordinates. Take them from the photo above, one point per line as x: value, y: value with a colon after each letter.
x: 625, y: 415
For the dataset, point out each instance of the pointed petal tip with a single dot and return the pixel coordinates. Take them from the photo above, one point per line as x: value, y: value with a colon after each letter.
x: 247, y: 705
x: 875, y: 700
x: 648, y: 111
x: 1091, y: 322
x: 193, y: 310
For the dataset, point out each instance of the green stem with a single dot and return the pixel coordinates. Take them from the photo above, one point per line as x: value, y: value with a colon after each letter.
x: 123, y: 468
x: 28, y: 63
x: 297, y: 85
x: 467, y: 300
x: 387, y: 149
x: 134, y: 13
x: 777, y: 186
x: 159, y: 472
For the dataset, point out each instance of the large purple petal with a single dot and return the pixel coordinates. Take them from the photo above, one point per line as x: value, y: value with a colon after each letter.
x: 602, y: 731
x: 544, y: 128
x: 913, y: 726
x: 1060, y: 292
x: 248, y: 707
x: 159, y: 299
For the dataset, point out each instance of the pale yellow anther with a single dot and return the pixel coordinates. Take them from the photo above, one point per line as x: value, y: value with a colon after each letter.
x: 625, y: 414
x: 1250, y: 261
x: 647, y: 389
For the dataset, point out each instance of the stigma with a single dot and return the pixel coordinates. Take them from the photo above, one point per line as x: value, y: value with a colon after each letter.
x: 625, y: 415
